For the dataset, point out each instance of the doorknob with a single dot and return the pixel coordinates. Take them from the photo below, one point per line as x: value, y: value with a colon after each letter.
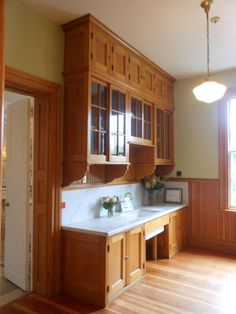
x: 7, y: 204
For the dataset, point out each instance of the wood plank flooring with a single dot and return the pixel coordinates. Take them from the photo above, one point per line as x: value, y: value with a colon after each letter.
x: 194, y: 281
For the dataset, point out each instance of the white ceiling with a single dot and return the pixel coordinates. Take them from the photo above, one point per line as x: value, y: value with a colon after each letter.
x: 172, y: 33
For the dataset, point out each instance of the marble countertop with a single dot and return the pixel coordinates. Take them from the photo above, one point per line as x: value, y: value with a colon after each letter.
x: 122, y: 222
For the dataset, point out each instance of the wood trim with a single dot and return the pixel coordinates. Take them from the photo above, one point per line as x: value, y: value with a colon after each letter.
x: 223, y: 153
x: 47, y: 212
x: 1, y: 95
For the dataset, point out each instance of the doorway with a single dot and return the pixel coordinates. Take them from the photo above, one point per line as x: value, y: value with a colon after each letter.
x: 17, y: 192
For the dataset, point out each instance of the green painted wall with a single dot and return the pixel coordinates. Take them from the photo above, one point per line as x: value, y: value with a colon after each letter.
x: 196, y: 129
x: 33, y: 43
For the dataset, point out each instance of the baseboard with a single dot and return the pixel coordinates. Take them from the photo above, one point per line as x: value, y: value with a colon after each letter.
x: 228, y: 247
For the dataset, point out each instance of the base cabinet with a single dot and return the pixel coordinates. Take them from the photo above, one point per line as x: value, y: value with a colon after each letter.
x: 96, y: 268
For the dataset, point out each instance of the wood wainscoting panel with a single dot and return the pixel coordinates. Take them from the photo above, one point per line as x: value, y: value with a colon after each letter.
x: 207, y: 225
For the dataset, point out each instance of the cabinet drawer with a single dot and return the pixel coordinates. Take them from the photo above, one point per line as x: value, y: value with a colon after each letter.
x: 156, y: 223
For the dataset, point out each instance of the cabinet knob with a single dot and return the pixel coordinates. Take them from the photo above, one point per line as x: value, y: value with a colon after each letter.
x: 126, y: 257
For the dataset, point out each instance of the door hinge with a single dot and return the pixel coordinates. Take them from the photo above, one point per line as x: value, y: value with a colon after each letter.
x: 129, y: 77
x: 143, y: 265
x: 108, y: 288
x: 91, y: 35
x: 108, y: 248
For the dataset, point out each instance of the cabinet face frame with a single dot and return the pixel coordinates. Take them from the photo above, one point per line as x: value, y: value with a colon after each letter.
x: 117, y: 158
x: 140, y: 140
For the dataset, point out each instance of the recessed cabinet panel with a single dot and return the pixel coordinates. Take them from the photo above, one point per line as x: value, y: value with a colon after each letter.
x: 135, y: 254
x: 120, y: 65
x: 148, y: 78
x: 101, y: 51
x: 135, y: 71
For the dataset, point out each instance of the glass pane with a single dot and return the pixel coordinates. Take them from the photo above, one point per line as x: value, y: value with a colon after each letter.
x: 102, y: 143
x: 133, y: 127
x: 94, y: 118
x: 121, y: 123
x: 147, y: 113
x: 232, y: 125
x: 133, y: 106
x: 233, y: 180
x: 114, y: 122
x: 94, y: 143
x: 103, y: 96
x: 147, y: 130
x: 115, y: 100
x: 139, y: 109
x: 160, y: 115
x: 121, y: 145
x: 114, y: 145
x: 103, y: 118
x: 139, y: 128
x: 122, y: 103
x: 94, y: 99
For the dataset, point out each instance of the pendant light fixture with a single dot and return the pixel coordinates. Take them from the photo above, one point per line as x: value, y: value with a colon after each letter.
x: 209, y: 90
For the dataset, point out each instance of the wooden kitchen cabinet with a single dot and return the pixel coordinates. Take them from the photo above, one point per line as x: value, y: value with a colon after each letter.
x: 106, y: 81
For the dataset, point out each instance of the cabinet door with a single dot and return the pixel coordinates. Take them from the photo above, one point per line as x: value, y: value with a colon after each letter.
x: 135, y: 254
x: 116, y: 264
x: 175, y: 232
x: 164, y: 136
x: 118, y: 126
x: 100, y: 52
x: 98, y: 122
x: 148, y: 78
x: 160, y: 90
x: 135, y: 71
x: 169, y: 94
x: 120, y: 63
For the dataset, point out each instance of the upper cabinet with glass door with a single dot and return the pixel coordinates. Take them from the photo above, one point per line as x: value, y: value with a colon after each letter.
x: 141, y: 121
x: 163, y: 136
x: 99, y: 122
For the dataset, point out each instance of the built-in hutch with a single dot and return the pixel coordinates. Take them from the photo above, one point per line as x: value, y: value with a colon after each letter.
x: 116, y: 102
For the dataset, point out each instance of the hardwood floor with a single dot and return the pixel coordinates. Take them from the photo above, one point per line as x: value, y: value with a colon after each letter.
x: 194, y: 281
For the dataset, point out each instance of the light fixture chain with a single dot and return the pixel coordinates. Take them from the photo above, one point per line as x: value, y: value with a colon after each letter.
x: 208, y: 46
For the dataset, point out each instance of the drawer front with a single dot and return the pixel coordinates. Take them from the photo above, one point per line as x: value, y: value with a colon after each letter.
x: 156, y: 223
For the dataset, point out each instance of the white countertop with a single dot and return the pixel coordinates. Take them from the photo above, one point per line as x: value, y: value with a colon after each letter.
x: 123, y: 222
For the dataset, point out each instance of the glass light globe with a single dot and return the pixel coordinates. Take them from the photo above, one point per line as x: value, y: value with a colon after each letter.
x: 209, y: 91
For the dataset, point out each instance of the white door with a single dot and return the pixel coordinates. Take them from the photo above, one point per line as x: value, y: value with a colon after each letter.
x: 17, y: 184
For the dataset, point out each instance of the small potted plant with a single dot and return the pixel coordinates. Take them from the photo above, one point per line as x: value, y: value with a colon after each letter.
x: 109, y: 203
x: 151, y: 184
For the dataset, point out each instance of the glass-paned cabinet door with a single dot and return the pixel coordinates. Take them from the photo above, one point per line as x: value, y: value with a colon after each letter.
x: 136, y: 118
x: 160, y: 134
x: 118, y: 124
x: 99, y: 116
x: 147, y: 121
x: 168, y: 132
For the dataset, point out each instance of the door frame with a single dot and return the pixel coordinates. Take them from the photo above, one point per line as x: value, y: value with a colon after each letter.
x: 45, y: 281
